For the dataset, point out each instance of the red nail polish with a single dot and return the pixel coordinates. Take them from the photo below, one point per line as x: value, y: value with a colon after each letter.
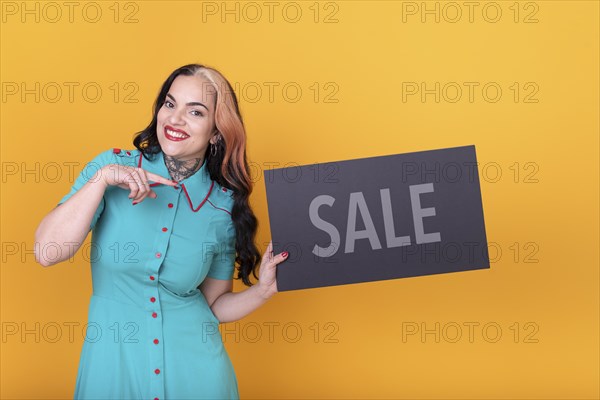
x: 284, y: 254
x: 134, y: 203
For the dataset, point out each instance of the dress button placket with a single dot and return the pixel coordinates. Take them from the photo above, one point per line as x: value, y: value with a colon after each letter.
x: 152, y: 298
x: 155, y: 333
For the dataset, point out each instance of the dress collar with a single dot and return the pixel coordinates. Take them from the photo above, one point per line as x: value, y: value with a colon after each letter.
x: 196, y: 187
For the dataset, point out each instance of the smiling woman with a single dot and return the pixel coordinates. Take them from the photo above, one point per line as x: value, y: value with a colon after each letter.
x: 190, y: 228
x: 187, y: 120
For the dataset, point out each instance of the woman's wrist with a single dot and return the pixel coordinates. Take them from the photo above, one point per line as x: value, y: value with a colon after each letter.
x: 264, y: 292
x: 99, y: 178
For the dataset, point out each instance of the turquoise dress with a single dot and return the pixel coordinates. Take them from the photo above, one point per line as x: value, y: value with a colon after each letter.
x: 150, y: 332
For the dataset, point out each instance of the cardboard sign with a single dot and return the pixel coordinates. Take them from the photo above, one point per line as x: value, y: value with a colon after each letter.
x: 377, y: 218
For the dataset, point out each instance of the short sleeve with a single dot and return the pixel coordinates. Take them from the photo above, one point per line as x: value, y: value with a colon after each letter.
x: 223, y: 263
x: 88, y: 172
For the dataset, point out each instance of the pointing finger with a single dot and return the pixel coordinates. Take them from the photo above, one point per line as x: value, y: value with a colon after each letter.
x: 147, y: 191
x: 160, y: 179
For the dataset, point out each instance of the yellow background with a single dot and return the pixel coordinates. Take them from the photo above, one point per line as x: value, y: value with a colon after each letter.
x: 545, y: 211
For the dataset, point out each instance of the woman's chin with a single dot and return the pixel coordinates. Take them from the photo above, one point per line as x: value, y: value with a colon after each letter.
x: 169, y: 148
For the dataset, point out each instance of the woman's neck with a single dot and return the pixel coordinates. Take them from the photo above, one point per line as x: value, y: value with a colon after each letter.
x: 180, y: 170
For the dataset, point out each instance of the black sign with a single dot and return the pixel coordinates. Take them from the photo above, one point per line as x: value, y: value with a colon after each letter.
x: 377, y: 218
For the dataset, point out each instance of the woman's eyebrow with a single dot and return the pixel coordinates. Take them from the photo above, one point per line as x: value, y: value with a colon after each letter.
x: 193, y: 103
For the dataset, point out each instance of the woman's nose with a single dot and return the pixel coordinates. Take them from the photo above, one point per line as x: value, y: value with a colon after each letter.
x: 176, y: 117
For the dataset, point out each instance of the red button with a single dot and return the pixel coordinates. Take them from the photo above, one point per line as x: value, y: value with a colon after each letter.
x: 158, y: 255
x: 164, y: 229
x: 152, y: 299
x: 116, y: 150
x: 156, y: 398
x: 151, y: 277
x: 225, y: 189
x: 175, y: 187
x: 154, y: 315
x: 128, y: 153
x: 155, y: 341
x: 157, y: 371
x: 170, y: 205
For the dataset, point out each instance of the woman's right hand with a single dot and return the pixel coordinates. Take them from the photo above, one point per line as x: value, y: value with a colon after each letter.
x: 132, y: 178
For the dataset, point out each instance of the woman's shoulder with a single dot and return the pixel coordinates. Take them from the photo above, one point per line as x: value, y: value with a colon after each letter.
x: 125, y: 155
x: 221, y: 198
x: 116, y: 155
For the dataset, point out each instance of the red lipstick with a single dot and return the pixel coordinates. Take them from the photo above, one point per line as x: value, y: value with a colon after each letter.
x: 181, y: 135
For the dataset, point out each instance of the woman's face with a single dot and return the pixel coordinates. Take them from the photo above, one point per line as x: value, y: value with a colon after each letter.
x: 186, y: 120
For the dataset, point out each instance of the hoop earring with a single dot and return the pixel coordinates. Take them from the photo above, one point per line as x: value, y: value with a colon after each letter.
x: 213, y: 148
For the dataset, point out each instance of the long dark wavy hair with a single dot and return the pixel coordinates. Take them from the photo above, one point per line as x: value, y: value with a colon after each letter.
x: 228, y: 166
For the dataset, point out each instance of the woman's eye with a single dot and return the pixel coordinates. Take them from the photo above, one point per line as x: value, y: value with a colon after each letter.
x: 196, y: 113
x: 168, y: 104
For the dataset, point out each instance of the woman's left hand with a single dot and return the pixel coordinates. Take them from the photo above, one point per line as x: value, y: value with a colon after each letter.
x: 266, y: 275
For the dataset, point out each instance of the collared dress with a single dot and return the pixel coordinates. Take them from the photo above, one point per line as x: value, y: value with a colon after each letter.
x: 150, y: 332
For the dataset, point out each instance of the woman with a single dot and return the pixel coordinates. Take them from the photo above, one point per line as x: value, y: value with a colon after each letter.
x: 169, y: 220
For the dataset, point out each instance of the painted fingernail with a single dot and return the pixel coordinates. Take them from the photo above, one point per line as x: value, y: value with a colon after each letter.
x: 134, y: 203
x: 284, y: 254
